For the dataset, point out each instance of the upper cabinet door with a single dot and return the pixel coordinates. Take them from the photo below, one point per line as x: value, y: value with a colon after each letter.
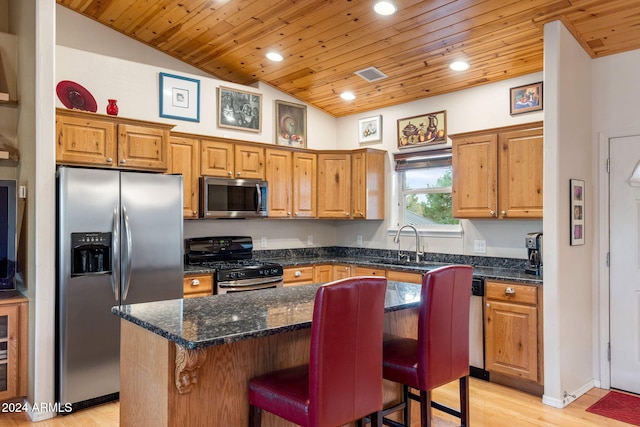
x: 334, y: 185
x: 279, y: 176
x: 475, y: 176
x: 142, y: 147
x: 304, y: 184
x: 521, y: 171
x: 216, y: 158
x: 249, y: 161
x: 184, y: 158
x: 85, y: 141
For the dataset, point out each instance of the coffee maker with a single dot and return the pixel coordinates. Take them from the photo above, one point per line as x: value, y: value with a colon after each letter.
x: 533, y: 242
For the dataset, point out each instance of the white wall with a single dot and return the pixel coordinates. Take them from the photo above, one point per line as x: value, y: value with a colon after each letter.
x: 568, y: 315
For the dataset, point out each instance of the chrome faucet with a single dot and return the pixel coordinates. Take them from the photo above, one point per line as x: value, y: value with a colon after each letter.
x: 396, y: 239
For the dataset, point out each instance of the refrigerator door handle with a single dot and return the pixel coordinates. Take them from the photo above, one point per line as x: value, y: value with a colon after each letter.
x: 115, y: 256
x: 126, y: 270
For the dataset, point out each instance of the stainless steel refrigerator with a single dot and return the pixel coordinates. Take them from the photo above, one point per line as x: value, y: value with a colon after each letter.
x: 119, y: 241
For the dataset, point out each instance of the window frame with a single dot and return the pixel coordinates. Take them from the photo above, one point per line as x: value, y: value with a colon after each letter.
x: 423, y: 160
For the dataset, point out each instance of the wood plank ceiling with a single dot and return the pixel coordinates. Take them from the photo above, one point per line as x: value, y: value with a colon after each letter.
x: 324, y: 42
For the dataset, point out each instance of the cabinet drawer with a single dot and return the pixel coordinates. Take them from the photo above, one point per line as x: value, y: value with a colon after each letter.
x: 404, y: 276
x: 505, y: 291
x: 196, y: 286
x: 298, y: 274
x: 364, y: 271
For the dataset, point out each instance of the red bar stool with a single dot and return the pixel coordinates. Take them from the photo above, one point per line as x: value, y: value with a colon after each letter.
x: 441, y: 352
x: 343, y: 381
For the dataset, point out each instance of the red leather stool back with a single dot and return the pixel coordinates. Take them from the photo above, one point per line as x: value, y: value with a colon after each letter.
x: 345, y: 366
x: 443, y: 326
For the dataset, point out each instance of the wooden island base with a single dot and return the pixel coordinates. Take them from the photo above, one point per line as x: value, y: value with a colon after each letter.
x: 212, y: 386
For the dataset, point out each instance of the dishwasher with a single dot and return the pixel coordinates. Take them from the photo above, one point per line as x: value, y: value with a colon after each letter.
x: 476, y: 331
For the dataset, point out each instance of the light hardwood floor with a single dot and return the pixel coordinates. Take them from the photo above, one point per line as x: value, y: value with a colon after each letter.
x: 492, y: 405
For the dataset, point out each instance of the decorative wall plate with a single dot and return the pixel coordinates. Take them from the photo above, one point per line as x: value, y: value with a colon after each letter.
x: 74, y: 96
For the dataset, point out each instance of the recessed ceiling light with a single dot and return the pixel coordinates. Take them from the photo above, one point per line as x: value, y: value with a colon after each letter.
x: 274, y: 56
x: 385, y: 7
x: 459, y: 65
x: 347, y: 96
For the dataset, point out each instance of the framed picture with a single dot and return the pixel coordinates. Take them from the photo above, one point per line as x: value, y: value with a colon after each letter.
x: 526, y: 98
x: 179, y: 97
x: 577, y: 211
x: 291, y: 124
x: 239, y: 110
x: 422, y: 130
x: 370, y: 129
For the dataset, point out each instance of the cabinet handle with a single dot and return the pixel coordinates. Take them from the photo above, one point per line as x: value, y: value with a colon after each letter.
x: 346, y: 213
x: 238, y: 174
x: 288, y: 213
x: 509, y: 291
x: 503, y: 213
x: 123, y: 161
x: 298, y: 273
x: 195, y: 282
x: 109, y: 160
x: 492, y: 213
x: 229, y: 173
x: 488, y: 305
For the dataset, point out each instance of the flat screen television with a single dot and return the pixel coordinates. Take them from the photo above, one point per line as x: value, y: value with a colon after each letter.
x: 8, y: 238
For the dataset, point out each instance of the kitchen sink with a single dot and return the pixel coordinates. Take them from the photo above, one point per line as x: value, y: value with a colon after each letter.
x: 428, y: 265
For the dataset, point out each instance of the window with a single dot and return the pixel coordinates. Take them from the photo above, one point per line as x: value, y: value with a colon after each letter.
x: 425, y: 190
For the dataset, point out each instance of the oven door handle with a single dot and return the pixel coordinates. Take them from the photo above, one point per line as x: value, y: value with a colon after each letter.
x: 250, y: 283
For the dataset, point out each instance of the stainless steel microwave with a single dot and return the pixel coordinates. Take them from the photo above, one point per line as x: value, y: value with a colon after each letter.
x: 233, y: 198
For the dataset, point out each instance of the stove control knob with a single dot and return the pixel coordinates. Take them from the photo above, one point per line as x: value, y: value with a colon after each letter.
x: 274, y: 271
x: 232, y: 275
x: 241, y: 274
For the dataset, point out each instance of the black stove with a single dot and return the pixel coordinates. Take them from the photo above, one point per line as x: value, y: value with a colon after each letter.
x: 231, y: 259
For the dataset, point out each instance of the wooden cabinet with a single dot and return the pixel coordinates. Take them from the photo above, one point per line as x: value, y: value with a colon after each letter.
x: 404, y: 276
x: 368, y: 271
x: 304, y: 184
x: 351, y: 184
x: 91, y: 139
x: 322, y: 273
x: 295, y: 276
x: 513, y: 330
x: 13, y: 347
x: 279, y: 174
x: 184, y: 158
x: 498, y: 173
x: 216, y: 158
x: 341, y: 271
x: 334, y: 181
x: 197, y: 285
x: 292, y: 183
x: 367, y: 184
x: 249, y: 161
x: 229, y: 159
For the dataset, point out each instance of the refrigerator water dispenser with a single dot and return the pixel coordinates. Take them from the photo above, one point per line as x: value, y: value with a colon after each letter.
x: 90, y: 254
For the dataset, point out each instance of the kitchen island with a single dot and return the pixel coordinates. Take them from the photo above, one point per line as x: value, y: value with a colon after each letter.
x: 187, y: 362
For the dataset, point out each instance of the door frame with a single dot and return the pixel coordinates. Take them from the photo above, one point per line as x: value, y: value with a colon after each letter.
x: 602, y: 289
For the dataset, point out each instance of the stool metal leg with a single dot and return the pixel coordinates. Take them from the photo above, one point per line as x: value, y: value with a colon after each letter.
x: 255, y: 416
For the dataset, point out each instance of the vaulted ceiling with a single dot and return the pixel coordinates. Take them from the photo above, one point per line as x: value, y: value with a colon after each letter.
x: 324, y: 42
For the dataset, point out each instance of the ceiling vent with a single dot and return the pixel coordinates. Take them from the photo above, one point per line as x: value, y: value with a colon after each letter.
x: 371, y: 74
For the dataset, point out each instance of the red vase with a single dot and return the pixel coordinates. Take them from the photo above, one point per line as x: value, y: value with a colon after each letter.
x: 112, y: 107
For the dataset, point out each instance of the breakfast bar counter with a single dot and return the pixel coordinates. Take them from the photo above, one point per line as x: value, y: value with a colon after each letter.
x: 188, y: 361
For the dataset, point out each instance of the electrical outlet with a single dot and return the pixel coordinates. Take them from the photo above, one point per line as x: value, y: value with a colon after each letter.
x: 359, y: 240
x: 480, y: 246
x: 263, y: 242
x: 309, y: 239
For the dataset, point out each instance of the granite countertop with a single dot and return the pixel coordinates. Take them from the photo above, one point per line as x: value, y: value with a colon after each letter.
x: 197, y: 323
x: 484, y: 272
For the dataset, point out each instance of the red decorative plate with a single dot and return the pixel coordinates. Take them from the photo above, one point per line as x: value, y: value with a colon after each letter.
x: 75, y: 97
